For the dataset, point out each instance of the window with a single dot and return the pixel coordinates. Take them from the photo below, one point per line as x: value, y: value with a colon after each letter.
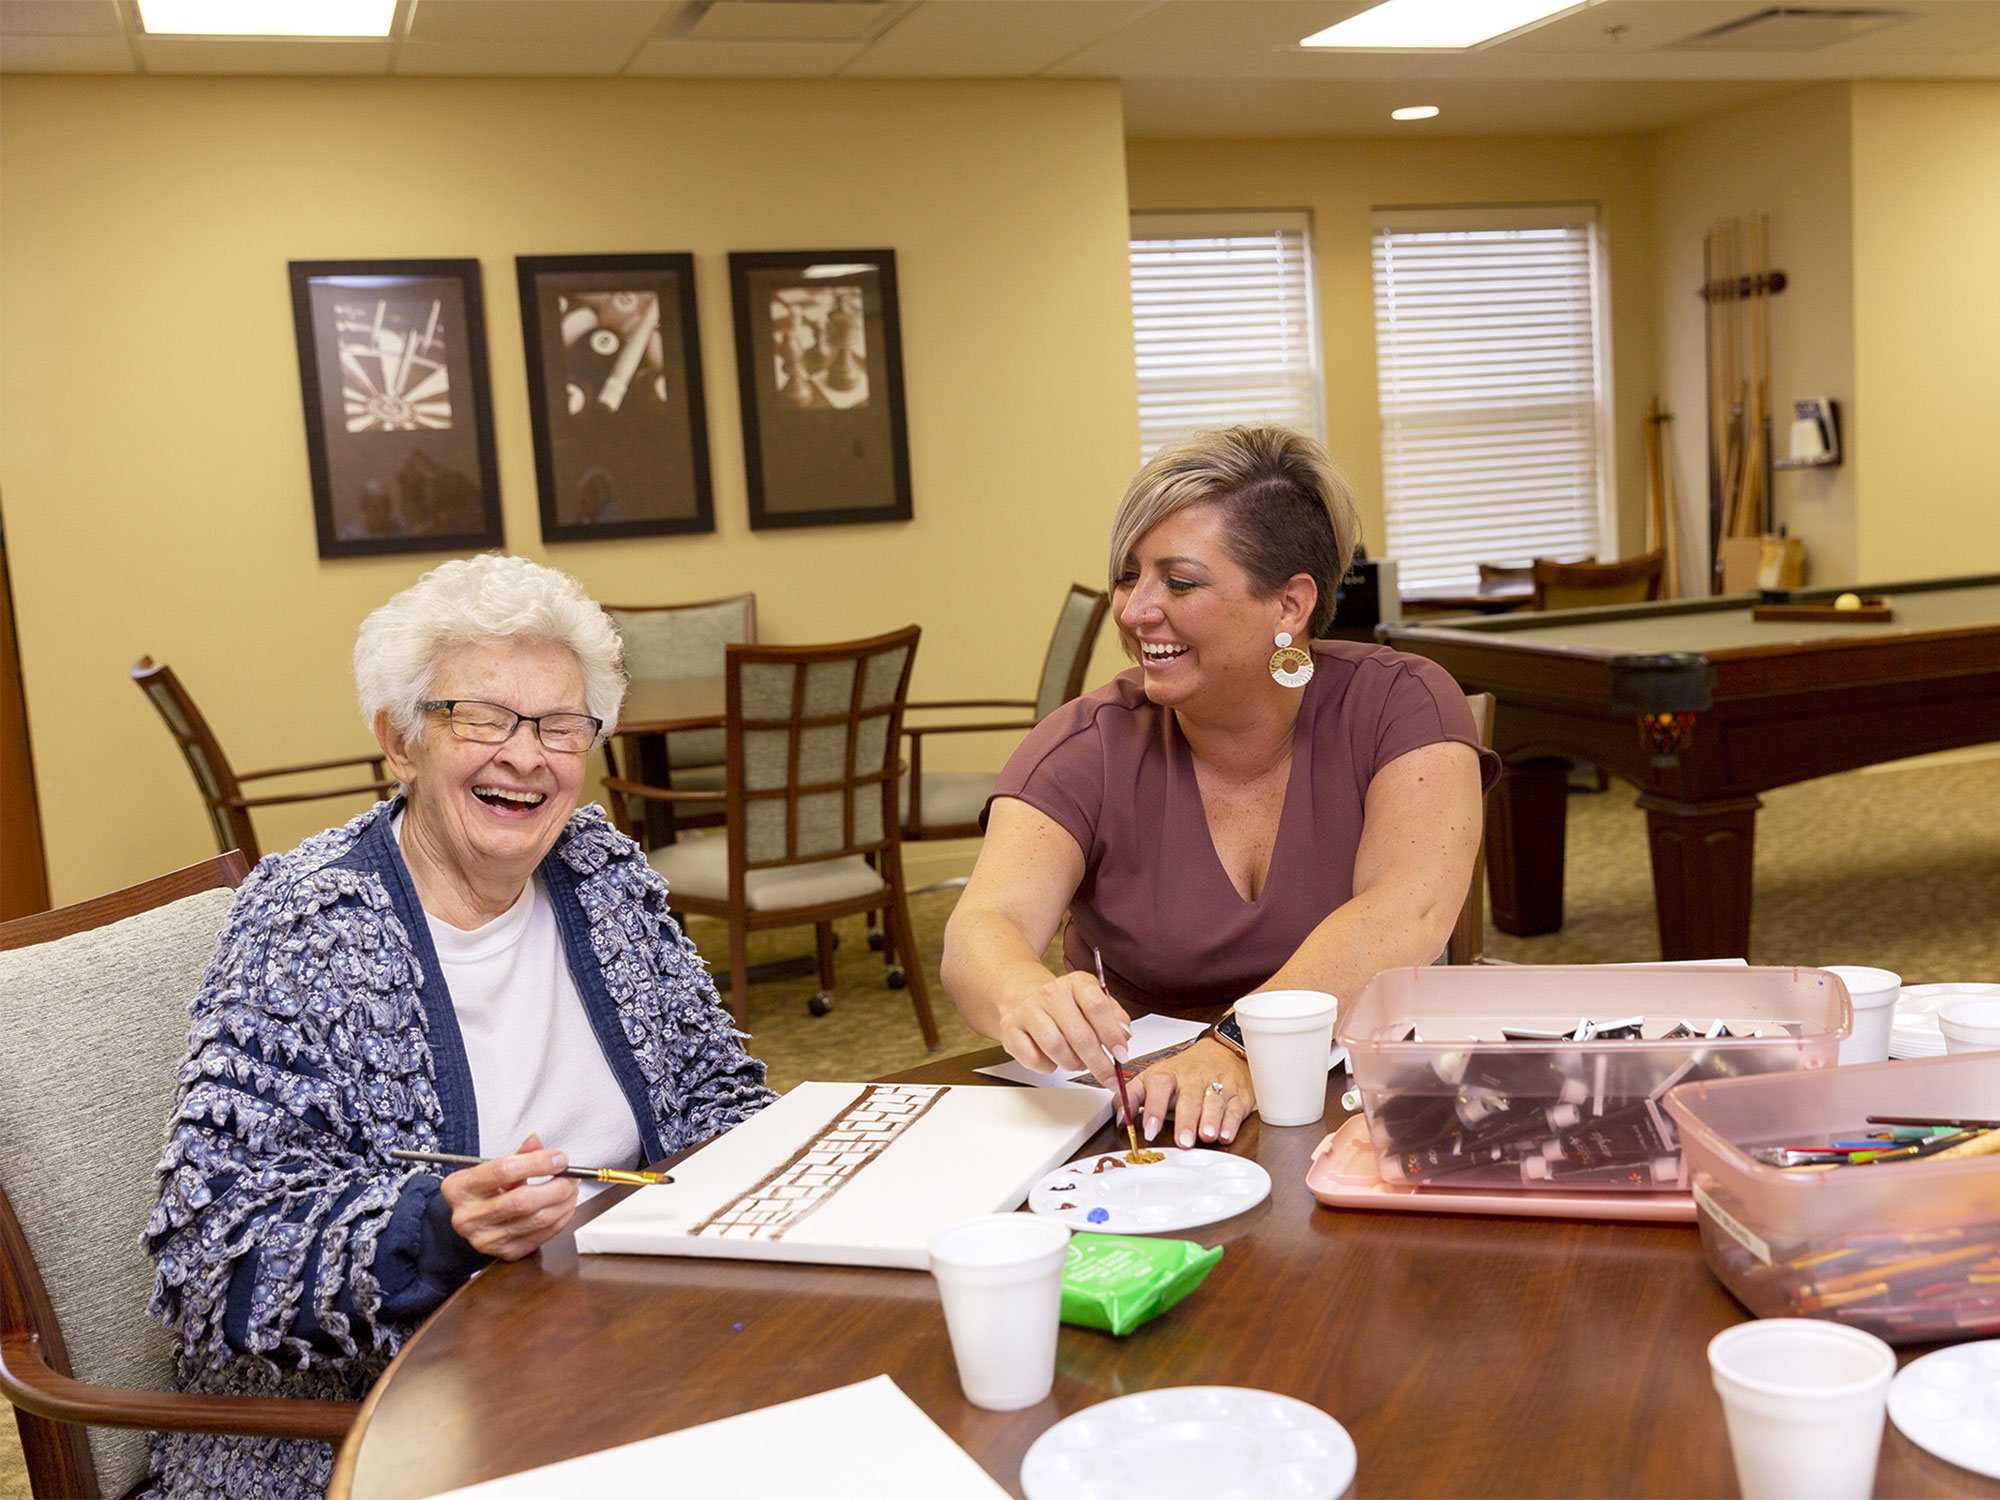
x: 1490, y: 364
x: 1224, y: 327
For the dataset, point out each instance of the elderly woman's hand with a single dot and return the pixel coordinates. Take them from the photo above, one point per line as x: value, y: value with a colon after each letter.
x: 1191, y: 1077
x: 499, y: 1212
x: 1068, y: 1023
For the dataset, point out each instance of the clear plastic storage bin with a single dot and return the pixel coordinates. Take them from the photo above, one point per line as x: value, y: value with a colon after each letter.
x: 1459, y: 1105
x: 1907, y: 1250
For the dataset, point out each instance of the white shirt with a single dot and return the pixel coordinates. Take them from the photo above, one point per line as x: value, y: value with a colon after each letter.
x: 536, y: 1064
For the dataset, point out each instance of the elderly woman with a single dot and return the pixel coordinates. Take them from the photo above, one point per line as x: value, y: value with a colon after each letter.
x: 473, y: 966
x: 1250, y: 808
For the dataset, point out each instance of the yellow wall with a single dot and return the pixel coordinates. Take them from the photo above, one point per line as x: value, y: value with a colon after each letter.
x: 1341, y: 181
x: 1787, y: 158
x: 1927, y: 326
x: 152, y: 454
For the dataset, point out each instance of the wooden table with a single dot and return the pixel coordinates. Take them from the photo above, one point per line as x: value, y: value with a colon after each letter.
x: 1702, y: 707
x: 1487, y: 599
x: 1467, y: 1356
x: 654, y: 708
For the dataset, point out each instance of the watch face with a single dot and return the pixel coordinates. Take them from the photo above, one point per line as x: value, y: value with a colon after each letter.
x: 1230, y: 1032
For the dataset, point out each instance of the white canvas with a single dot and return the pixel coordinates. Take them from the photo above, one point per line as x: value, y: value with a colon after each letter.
x: 853, y: 1174
x: 866, y: 1441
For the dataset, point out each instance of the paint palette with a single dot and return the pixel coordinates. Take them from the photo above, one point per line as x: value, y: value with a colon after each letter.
x: 1103, y: 1194
x: 1948, y: 1403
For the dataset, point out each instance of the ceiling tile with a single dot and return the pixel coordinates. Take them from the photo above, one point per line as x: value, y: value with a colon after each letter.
x: 620, y: 22
x: 991, y: 38
x: 519, y: 59
x: 60, y: 18
x: 794, y: 20
x: 65, y: 54
x: 681, y: 59
x: 173, y: 54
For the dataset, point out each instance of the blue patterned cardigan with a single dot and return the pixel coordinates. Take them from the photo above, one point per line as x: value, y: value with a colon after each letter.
x: 292, y: 1256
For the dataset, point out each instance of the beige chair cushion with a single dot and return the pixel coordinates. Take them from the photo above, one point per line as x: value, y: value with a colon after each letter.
x: 700, y: 867
x: 96, y: 1030
x: 951, y: 798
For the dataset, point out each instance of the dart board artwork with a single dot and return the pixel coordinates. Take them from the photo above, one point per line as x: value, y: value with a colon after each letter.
x: 614, y: 392
x: 399, y: 425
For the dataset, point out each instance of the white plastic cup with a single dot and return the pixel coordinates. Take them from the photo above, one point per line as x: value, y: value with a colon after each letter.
x: 1970, y: 1023
x: 1288, y: 1034
x: 1000, y: 1279
x: 1804, y: 1401
x: 1874, y: 993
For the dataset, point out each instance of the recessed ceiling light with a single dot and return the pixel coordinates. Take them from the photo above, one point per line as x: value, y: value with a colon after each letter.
x: 1415, y: 112
x: 1437, y: 25
x: 267, y: 17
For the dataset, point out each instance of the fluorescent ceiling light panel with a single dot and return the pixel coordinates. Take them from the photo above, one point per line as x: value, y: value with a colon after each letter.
x: 370, y: 18
x: 1415, y: 112
x: 1437, y: 25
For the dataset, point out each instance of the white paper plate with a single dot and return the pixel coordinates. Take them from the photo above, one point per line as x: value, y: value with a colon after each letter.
x: 1188, y: 1188
x: 1914, y: 1032
x: 1948, y: 1403
x: 1192, y: 1442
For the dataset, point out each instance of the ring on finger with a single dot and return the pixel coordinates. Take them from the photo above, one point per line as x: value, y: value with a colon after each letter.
x: 1216, y: 1090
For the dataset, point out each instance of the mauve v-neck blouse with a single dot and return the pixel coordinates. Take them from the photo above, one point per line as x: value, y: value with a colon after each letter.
x: 1114, y: 770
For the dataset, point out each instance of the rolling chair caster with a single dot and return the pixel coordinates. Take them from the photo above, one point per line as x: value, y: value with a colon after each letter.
x: 897, y: 979
x: 875, y: 942
x: 821, y: 1003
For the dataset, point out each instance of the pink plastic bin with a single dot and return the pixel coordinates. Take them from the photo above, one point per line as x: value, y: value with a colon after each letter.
x: 1464, y: 1108
x: 1909, y: 1251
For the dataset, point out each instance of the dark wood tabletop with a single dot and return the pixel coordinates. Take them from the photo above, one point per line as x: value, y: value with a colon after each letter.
x: 1466, y: 1356
x: 662, y: 705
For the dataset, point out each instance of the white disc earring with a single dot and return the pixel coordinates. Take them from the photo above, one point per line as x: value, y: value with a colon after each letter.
x: 1291, y: 666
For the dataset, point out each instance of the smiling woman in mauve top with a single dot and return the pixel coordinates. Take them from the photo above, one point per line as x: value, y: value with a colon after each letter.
x: 1247, y: 809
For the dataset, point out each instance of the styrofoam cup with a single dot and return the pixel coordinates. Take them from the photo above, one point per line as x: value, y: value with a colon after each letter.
x: 1970, y: 1023
x: 1288, y: 1034
x: 1000, y: 1279
x: 1873, y: 993
x: 1804, y: 1401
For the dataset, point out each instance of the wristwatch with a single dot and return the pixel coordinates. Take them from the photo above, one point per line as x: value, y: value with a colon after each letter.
x: 1229, y: 1033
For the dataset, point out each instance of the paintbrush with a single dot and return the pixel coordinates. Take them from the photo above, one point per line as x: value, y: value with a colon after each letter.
x: 1118, y: 1068
x: 588, y: 1174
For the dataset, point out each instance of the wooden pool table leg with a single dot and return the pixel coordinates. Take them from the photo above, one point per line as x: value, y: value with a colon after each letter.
x: 1524, y: 846
x: 1701, y: 874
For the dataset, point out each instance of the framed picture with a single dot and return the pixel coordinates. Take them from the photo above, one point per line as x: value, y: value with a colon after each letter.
x: 614, y: 387
x: 399, y: 426
x: 819, y: 357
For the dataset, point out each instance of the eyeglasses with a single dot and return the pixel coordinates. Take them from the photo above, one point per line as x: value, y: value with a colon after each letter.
x: 492, y: 724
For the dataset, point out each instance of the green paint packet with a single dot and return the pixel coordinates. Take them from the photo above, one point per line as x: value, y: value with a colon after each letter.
x: 1118, y: 1281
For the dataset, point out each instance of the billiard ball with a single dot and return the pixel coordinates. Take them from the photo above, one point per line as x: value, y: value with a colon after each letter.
x: 1848, y: 601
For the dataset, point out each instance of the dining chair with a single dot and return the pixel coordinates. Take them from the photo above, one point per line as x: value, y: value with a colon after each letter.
x: 221, y: 786
x: 676, y: 640
x: 1468, y: 937
x: 1578, y: 585
x: 96, y: 1000
x: 809, y: 795
x: 946, y: 804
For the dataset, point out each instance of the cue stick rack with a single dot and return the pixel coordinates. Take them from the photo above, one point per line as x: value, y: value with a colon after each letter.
x: 1738, y: 283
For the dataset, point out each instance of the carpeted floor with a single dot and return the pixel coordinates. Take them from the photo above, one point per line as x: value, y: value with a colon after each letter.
x: 1898, y: 867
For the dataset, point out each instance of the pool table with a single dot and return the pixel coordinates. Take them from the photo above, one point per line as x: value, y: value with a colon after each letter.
x: 1702, y: 707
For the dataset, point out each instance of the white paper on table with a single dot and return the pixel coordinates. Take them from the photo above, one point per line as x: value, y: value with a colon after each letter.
x: 1149, y: 1034
x: 788, y: 1185
x: 866, y: 1441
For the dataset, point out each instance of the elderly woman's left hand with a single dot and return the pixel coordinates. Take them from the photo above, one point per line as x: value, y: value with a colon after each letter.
x: 1209, y: 1087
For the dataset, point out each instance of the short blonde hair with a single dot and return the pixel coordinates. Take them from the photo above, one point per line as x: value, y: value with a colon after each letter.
x: 477, y: 601
x: 1290, y: 511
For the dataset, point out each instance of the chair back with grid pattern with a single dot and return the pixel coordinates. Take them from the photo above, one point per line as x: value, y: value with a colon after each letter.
x: 212, y: 773
x: 1069, y: 648
x: 812, y: 760
x: 685, y: 640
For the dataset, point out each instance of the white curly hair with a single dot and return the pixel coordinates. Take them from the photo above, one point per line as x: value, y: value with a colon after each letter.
x: 476, y: 601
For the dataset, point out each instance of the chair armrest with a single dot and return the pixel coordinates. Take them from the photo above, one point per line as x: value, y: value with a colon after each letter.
x: 373, y: 762
x: 974, y: 703
x: 915, y: 730
x: 658, y: 793
x: 338, y: 791
x: 32, y: 1385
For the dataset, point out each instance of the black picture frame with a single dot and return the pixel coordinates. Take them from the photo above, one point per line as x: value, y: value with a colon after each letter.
x: 399, y: 415
x: 819, y: 362
x: 615, y: 395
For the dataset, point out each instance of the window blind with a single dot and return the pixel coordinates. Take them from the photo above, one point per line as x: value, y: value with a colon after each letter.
x: 1223, y: 324
x: 1487, y: 367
